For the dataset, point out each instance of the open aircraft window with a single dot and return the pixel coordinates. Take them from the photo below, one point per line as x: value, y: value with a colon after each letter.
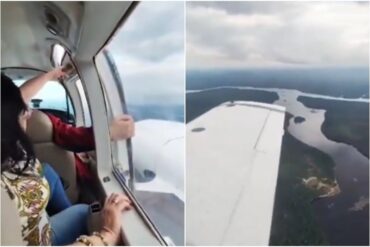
x: 146, y: 63
x: 54, y: 99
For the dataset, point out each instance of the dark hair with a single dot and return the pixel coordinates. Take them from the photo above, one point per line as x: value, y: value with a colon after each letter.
x: 15, y: 145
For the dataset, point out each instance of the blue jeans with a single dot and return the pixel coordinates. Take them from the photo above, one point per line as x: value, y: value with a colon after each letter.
x: 58, y: 199
x: 67, y: 222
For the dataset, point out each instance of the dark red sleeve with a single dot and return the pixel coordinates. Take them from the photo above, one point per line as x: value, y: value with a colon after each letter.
x: 75, y: 139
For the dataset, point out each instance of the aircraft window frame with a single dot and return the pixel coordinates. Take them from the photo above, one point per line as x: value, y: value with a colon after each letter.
x: 113, y: 102
x: 119, y: 169
x: 86, y: 114
x: 119, y: 86
x: 79, y: 86
x: 119, y: 149
x: 103, y: 57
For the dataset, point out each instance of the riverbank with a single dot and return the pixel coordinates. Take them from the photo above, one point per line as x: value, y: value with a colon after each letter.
x: 347, y: 82
x: 346, y: 122
x: 201, y: 102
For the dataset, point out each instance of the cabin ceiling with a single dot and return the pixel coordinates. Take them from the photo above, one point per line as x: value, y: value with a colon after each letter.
x: 25, y: 39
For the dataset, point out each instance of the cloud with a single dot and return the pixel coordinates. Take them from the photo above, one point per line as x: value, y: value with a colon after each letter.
x: 149, y: 52
x: 252, y: 34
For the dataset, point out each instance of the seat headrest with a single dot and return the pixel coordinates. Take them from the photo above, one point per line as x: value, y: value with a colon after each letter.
x: 39, y: 127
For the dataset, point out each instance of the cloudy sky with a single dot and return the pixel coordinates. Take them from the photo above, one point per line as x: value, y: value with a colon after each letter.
x: 276, y: 34
x: 149, y: 53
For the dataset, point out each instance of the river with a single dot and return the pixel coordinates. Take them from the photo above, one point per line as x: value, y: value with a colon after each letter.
x: 343, y: 218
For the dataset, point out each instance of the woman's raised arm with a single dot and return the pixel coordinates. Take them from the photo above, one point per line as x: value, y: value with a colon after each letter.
x: 31, y: 87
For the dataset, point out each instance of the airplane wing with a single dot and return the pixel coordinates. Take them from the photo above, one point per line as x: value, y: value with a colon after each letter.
x: 232, y: 161
x: 158, y: 147
x: 160, y: 186
x: 158, y: 155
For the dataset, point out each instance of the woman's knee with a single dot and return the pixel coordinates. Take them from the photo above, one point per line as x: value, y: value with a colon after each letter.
x: 84, y: 209
x: 80, y: 210
x: 69, y: 224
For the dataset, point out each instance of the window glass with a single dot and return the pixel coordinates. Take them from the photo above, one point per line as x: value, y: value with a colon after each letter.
x: 150, y: 50
x: 146, y: 64
x: 52, y: 98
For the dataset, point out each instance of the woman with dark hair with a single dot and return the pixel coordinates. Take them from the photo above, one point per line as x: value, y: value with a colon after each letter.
x: 23, y: 177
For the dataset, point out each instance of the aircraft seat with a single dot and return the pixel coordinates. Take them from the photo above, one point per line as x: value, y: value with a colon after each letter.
x: 40, y: 131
